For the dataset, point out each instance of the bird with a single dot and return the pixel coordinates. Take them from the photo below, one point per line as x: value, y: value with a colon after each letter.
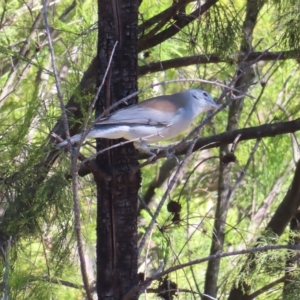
x: 153, y: 120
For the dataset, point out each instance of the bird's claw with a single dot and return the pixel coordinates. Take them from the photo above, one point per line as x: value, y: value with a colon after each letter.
x: 169, y: 151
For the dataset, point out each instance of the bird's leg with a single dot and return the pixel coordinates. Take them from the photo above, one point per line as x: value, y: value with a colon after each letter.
x: 145, y: 148
x: 169, y: 150
x: 170, y: 153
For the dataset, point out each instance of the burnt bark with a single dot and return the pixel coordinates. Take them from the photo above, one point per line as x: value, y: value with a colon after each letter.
x: 117, y: 193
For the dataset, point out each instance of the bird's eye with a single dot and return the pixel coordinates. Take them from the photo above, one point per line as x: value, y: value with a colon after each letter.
x: 194, y: 96
x: 205, y: 94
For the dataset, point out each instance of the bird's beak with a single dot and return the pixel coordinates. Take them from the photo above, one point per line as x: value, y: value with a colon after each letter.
x: 215, y: 106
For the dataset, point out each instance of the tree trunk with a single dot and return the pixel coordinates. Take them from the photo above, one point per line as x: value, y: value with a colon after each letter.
x: 117, y: 192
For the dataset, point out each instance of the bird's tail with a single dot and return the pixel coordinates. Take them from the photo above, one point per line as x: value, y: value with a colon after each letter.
x: 74, y: 139
x: 107, y: 131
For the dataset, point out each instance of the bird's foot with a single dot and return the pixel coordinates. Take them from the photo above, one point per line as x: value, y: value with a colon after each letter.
x: 143, y: 146
x: 168, y: 150
x: 170, y: 153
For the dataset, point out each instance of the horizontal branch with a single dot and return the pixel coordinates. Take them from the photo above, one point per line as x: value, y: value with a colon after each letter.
x: 214, y: 58
x: 262, y: 131
x: 225, y: 138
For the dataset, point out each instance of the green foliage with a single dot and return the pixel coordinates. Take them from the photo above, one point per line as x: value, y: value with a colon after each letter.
x: 288, y: 23
x: 220, y: 29
x: 37, y: 207
x: 36, y: 204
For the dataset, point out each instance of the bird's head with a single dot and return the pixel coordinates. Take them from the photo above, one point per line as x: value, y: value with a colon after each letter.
x: 202, y: 100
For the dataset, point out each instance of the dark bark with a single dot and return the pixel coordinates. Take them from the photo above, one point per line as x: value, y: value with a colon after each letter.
x: 288, y: 208
x: 117, y: 194
x: 244, y: 77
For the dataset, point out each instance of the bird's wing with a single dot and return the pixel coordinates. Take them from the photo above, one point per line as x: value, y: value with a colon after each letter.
x: 146, y: 113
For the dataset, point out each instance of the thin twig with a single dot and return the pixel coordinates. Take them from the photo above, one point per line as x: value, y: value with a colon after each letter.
x: 85, y: 132
x: 56, y: 76
x: 209, y: 258
x: 73, y: 162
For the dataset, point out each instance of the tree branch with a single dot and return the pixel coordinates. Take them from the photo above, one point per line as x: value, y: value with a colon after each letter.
x: 209, y: 258
x: 215, y: 58
x: 182, y: 21
x: 266, y: 288
x: 288, y: 206
x: 225, y: 138
x: 164, y: 16
x: 73, y: 160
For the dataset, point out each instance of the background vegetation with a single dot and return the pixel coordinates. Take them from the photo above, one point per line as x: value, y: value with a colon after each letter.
x: 230, y: 198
